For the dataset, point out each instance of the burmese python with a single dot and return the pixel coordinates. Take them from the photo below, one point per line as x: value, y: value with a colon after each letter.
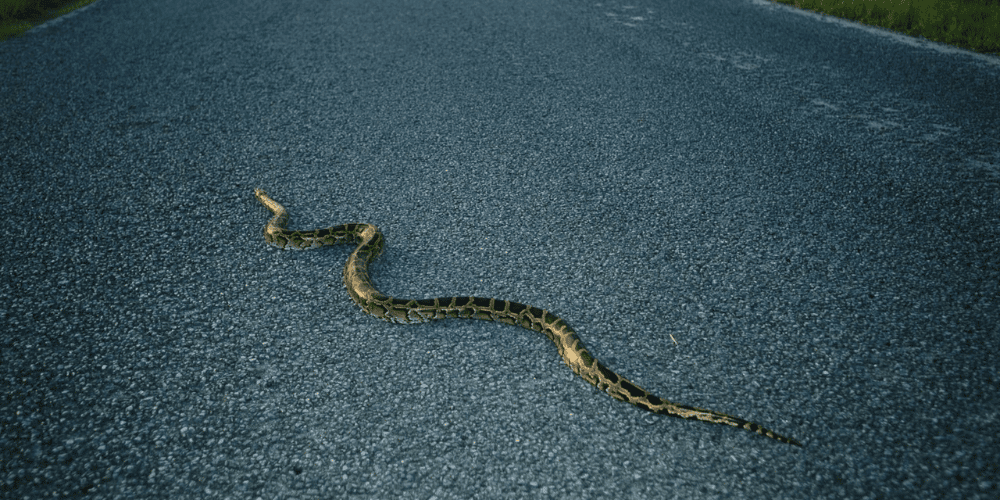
x: 369, y: 246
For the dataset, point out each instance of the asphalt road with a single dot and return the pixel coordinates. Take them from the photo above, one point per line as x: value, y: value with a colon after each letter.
x: 736, y: 206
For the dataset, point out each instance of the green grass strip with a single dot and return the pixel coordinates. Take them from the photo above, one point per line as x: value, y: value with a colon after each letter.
x: 969, y: 24
x: 18, y: 16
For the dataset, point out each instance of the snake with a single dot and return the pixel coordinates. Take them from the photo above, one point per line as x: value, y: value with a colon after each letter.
x: 369, y: 245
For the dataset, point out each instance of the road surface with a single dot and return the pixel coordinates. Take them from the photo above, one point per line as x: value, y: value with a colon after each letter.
x: 738, y: 207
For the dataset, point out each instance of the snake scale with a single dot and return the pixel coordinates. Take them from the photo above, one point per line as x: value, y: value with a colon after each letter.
x: 369, y: 243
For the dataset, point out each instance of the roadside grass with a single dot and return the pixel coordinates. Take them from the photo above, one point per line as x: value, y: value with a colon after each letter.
x: 18, y: 16
x: 969, y: 24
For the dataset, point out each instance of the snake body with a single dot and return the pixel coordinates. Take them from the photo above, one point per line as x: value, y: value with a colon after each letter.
x: 370, y: 242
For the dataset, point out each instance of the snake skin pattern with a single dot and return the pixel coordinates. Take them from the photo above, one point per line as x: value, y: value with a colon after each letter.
x: 369, y: 243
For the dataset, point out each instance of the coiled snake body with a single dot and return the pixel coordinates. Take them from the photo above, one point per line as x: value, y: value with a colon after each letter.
x: 369, y: 243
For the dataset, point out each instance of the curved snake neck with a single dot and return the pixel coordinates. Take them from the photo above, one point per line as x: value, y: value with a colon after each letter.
x: 369, y: 243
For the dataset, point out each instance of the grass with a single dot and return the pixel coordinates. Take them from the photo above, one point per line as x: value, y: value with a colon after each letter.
x: 970, y: 24
x: 18, y: 16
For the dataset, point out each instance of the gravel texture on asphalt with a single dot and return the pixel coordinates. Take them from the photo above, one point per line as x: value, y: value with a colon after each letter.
x: 737, y: 207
